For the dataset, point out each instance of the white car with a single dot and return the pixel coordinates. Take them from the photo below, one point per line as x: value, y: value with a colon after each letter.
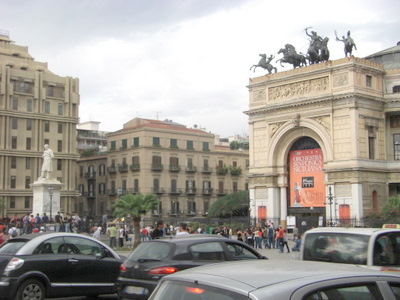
x: 278, y: 280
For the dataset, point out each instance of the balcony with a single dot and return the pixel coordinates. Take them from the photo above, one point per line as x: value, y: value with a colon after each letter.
x: 157, y: 190
x: 112, y: 192
x: 222, y: 170
x: 175, y: 191
x: 191, y: 213
x: 206, y: 170
x: 156, y: 212
x: 207, y: 191
x: 90, y: 175
x: 190, y: 191
x: 135, y: 167
x: 134, y: 191
x: 90, y: 194
x: 174, y: 212
x: 123, y: 168
x: 235, y: 171
x: 111, y: 169
x: 174, y: 168
x: 221, y: 192
x: 157, y: 168
x: 190, y: 169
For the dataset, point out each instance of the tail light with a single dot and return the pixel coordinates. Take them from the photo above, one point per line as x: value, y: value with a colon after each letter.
x: 14, y: 264
x: 163, y: 270
x: 194, y: 290
x: 122, y: 268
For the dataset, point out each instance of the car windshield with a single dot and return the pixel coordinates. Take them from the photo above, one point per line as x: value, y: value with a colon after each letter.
x: 175, y: 290
x: 12, y: 246
x: 148, y: 251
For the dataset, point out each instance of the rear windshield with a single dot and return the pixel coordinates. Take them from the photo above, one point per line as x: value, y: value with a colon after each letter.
x: 12, y: 246
x: 173, y: 290
x: 336, y: 247
x: 148, y: 251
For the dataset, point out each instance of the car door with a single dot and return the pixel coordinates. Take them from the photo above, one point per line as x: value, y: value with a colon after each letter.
x: 48, y: 260
x: 91, y: 265
x: 237, y: 251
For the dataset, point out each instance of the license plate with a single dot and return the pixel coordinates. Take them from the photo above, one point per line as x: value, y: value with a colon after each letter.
x: 136, y: 290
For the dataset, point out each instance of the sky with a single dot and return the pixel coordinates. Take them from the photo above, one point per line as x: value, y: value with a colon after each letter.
x: 183, y: 60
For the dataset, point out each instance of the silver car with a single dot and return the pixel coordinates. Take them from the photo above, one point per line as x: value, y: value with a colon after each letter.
x: 294, y: 280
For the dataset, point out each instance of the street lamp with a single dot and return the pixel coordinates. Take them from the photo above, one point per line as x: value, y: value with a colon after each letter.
x: 51, y: 189
x: 330, y: 203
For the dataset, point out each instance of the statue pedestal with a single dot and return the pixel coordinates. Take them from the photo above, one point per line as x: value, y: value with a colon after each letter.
x: 46, y: 197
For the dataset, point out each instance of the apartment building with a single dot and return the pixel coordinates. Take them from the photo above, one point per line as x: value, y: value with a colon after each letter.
x: 37, y: 107
x: 181, y: 165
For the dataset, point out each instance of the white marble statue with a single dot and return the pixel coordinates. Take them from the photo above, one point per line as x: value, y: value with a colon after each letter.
x: 47, y: 166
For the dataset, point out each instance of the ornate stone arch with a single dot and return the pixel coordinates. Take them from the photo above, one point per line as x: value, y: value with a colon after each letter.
x: 291, y: 131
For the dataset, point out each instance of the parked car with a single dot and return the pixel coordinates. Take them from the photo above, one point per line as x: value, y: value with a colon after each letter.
x: 289, y: 280
x: 152, y: 260
x: 375, y: 248
x: 56, y: 264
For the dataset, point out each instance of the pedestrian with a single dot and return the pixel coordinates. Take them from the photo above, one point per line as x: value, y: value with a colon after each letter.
x: 13, y: 232
x: 59, y: 221
x: 183, y: 230
x: 279, y: 239
x: 285, y: 240
x: 158, y: 232
x: 121, y: 236
x: 97, y: 233
x: 112, y: 234
x: 258, y: 237
x: 2, y: 236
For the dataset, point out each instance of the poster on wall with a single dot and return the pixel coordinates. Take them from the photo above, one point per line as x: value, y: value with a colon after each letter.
x: 307, y: 188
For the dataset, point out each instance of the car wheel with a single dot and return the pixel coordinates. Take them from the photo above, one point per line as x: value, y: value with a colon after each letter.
x: 31, y: 289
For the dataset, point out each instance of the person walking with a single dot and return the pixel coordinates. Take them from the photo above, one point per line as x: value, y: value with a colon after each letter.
x: 158, y: 232
x: 279, y: 239
x: 285, y: 241
x: 121, y: 236
x: 112, y: 234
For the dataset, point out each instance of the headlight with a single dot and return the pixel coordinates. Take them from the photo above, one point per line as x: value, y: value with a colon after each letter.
x: 14, y: 264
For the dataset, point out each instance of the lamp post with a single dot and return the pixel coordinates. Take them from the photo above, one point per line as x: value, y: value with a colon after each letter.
x: 51, y: 189
x: 330, y: 203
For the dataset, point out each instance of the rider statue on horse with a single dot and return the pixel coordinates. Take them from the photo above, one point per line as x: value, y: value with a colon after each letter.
x: 348, y: 43
x: 265, y: 63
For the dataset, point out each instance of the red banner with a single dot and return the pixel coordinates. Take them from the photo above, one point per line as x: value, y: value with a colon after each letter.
x: 307, y: 188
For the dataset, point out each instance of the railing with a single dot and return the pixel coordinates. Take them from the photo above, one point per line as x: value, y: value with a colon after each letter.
x: 206, y: 170
x: 123, y: 168
x: 135, y: 167
x: 207, y: 191
x: 112, y: 169
x: 90, y: 175
x: 190, y: 169
x: 175, y: 191
x: 156, y: 190
x: 174, y: 168
x: 190, y: 191
x: 174, y: 212
x: 221, y: 192
x: 157, y: 168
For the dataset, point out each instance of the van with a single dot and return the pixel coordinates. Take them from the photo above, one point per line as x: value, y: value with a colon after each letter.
x: 376, y: 248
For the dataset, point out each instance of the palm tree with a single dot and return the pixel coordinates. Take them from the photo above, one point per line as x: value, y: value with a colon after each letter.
x: 136, y: 206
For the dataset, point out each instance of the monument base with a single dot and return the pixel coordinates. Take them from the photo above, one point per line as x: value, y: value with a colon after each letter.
x: 46, y: 197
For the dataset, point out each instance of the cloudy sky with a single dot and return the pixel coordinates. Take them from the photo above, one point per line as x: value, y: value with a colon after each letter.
x: 185, y: 60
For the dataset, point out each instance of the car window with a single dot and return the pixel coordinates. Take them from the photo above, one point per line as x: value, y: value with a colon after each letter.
x: 174, y: 290
x: 336, y: 247
x: 396, y: 289
x: 79, y: 245
x: 49, y: 246
x: 151, y: 251
x: 356, y: 292
x: 240, y: 252
x: 207, y: 251
x: 387, y: 249
x: 12, y: 246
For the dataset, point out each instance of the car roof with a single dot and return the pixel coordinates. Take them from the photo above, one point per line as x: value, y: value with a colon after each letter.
x: 190, y: 238
x: 250, y: 275
x: 350, y: 230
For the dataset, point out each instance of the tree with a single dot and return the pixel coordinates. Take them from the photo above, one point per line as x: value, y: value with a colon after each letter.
x: 232, y: 204
x: 389, y: 214
x: 136, y: 206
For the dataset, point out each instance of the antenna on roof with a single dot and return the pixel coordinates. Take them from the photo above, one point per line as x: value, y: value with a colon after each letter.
x: 157, y: 114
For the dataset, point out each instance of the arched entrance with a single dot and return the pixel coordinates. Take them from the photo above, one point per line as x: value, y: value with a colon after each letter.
x: 306, y: 192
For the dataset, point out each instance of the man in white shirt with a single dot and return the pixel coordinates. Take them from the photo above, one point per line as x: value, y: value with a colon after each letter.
x: 182, y: 230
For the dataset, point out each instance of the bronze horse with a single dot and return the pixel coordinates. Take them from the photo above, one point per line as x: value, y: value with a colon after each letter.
x: 265, y: 64
x: 290, y: 56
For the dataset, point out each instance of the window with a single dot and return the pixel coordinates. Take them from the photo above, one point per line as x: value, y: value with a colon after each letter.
x: 156, y: 163
x: 368, y: 80
x: 14, y: 142
x: 29, y: 105
x: 13, y: 182
x: 396, y: 89
x: 208, y: 251
x: 235, y: 186
x: 174, y: 188
x: 124, y: 143
x: 59, y: 164
x: 13, y: 162
x: 189, y: 145
x: 173, y: 143
x: 190, y: 186
x: 102, y: 188
x: 12, y: 202
x: 136, y: 142
x: 60, y: 127
x: 206, y: 146
x: 102, y: 170
x: 367, y: 291
x: 27, y: 182
x: 28, y: 143
x: 81, y: 171
x: 28, y: 124
x: 371, y: 142
x: 59, y: 146
x: 46, y: 142
x: 27, y: 201
x: 46, y: 107
x: 156, y: 185
x: 14, y: 104
x: 27, y: 163
x: 156, y: 142
x: 113, y: 145
x: 81, y: 189
x: 135, y: 163
x: 60, y: 109
x: 174, y: 164
x: 396, y: 145
x: 14, y: 123
x: 46, y: 126
x: 220, y: 187
x: 191, y: 207
x: 136, y: 186
x: 50, y: 246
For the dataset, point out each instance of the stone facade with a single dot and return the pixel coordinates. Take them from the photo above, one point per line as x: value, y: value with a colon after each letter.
x: 347, y: 108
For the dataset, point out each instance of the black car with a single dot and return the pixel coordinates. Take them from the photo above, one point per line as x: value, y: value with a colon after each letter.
x: 152, y: 260
x: 41, y: 265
